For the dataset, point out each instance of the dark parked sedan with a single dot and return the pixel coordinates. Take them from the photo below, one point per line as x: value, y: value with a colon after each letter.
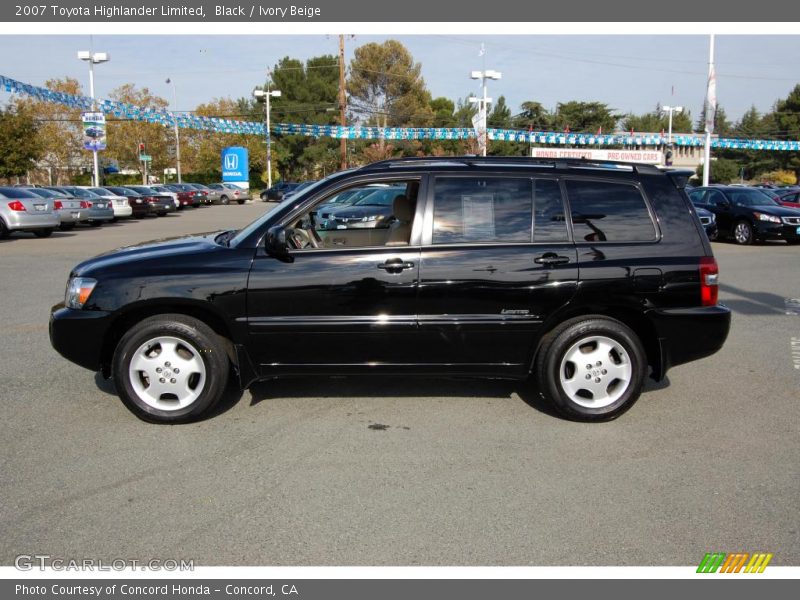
x: 747, y: 215
x: 373, y: 210
x: 277, y: 191
x: 161, y: 203
x: 708, y: 220
x: 141, y: 208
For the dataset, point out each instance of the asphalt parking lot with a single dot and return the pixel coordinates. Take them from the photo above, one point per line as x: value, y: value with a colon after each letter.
x: 397, y: 472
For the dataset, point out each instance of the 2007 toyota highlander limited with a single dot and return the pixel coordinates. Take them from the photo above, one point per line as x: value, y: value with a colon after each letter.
x: 586, y: 275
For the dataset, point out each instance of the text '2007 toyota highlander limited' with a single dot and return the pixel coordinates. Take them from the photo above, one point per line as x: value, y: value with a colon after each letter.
x: 586, y: 275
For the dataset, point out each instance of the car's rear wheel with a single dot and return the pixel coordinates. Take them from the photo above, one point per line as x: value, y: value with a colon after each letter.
x: 743, y: 233
x: 170, y: 369
x: 66, y: 226
x: 4, y: 232
x: 95, y: 223
x: 591, y: 368
x: 224, y: 200
x: 43, y: 233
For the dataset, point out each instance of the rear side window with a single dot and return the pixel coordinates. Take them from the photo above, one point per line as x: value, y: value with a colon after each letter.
x: 608, y: 212
x: 549, y: 224
x: 482, y: 210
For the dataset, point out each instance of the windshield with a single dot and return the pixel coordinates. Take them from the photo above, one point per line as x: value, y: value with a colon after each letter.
x: 81, y: 193
x: 99, y: 191
x: 43, y: 193
x: 380, y: 197
x: 10, y: 192
x: 746, y: 197
x: 254, y: 226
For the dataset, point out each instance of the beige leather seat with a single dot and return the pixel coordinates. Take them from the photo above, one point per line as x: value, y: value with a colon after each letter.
x: 400, y: 229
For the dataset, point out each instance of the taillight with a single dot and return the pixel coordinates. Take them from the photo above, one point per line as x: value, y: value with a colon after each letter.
x: 709, y: 281
x: 84, y: 204
x: 57, y: 205
x: 17, y: 206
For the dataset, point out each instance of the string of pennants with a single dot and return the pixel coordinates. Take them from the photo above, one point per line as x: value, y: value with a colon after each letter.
x: 123, y: 110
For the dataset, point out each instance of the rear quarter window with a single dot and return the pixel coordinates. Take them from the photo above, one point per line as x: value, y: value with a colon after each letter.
x: 605, y: 211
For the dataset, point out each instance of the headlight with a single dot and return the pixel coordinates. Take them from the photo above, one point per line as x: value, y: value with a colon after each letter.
x: 78, y: 291
x: 770, y: 218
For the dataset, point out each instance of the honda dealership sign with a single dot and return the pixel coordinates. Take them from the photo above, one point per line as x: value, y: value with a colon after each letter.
x: 234, y: 164
x: 652, y: 157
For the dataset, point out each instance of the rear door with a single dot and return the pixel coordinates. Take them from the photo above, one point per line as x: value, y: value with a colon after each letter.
x: 496, y: 261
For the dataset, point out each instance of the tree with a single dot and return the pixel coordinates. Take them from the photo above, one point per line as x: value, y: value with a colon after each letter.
x: 125, y: 136
x: 60, y: 131
x: 722, y: 126
x: 309, y: 94
x: 386, y: 86
x: 533, y: 116
x: 658, y: 121
x: 722, y: 171
x: 20, y: 146
x: 586, y: 117
x: 787, y: 122
x: 443, y: 110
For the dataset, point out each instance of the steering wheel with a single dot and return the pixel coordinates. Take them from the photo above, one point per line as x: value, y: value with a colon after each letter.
x: 300, y: 238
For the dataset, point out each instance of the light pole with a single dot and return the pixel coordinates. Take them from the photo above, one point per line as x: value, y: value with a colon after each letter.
x: 177, y: 133
x: 483, y: 103
x: 670, y: 110
x: 93, y: 58
x: 266, y: 95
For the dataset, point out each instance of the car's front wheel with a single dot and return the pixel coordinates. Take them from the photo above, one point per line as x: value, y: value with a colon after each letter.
x: 43, y: 233
x: 592, y: 368
x: 170, y: 369
x: 743, y: 233
x: 224, y: 200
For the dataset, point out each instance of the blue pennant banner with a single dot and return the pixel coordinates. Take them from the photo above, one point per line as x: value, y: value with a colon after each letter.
x: 122, y: 110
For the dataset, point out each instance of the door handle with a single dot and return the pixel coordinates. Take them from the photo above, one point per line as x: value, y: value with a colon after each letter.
x: 395, y: 264
x: 550, y: 258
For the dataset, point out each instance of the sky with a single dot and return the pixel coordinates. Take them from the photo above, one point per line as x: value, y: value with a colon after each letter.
x: 631, y: 73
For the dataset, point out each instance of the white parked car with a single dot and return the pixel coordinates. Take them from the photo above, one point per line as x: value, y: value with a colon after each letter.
x: 120, y: 204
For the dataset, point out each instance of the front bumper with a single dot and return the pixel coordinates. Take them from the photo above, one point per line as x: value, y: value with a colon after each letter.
x: 78, y: 335
x: 687, y: 334
x: 777, y: 231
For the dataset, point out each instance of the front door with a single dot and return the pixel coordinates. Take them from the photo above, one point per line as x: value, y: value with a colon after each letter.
x: 346, y: 298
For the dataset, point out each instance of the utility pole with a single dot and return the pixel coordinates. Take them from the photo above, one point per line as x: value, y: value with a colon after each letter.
x: 266, y: 94
x: 711, y: 108
x: 177, y: 133
x: 342, y: 104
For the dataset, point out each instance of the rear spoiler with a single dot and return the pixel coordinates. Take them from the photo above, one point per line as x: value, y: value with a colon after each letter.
x: 680, y: 177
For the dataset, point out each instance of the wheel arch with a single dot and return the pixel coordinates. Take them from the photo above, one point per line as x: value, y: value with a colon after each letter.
x: 134, y: 314
x: 629, y: 316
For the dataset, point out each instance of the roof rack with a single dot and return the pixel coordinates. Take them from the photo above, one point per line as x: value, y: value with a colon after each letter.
x: 510, y: 161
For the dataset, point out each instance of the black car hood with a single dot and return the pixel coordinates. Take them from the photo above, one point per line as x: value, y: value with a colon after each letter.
x: 777, y: 211
x: 157, y: 249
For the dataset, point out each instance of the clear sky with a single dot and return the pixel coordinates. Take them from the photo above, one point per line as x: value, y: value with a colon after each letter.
x: 630, y: 73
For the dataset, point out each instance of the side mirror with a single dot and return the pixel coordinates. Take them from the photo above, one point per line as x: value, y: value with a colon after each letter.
x: 724, y: 204
x: 275, y: 244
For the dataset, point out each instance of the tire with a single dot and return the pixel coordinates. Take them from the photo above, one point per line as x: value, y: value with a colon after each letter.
x: 162, y: 213
x: 743, y: 233
x: 95, y: 223
x: 66, y: 226
x: 185, y: 341
x: 240, y: 202
x: 572, y: 351
x: 43, y: 233
x: 224, y: 200
x: 4, y: 232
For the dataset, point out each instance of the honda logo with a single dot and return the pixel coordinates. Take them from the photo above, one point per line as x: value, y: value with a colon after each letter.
x: 231, y: 162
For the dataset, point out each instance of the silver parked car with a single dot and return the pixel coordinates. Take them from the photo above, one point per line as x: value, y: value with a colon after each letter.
x: 21, y: 210
x: 99, y: 210
x: 122, y: 210
x: 225, y: 193
x: 70, y: 210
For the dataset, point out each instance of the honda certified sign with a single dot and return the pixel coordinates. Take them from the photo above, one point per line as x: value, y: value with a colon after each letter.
x: 652, y: 157
x: 234, y: 164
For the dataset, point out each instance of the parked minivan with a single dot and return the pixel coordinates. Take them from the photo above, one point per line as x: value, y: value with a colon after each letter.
x: 586, y: 275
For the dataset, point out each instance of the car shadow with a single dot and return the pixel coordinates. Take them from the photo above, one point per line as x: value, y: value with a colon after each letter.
x: 751, y: 302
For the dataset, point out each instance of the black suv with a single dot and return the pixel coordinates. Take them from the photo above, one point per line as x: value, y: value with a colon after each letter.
x: 584, y: 274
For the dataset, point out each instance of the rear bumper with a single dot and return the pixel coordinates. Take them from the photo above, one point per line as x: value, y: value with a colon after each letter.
x: 687, y: 334
x: 22, y: 221
x: 123, y: 211
x: 69, y: 215
x: 78, y: 335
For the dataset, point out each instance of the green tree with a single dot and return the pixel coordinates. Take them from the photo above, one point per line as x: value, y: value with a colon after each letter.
x: 658, y: 120
x: 786, y: 117
x: 60, y: 132
x: 20, y: 146
x: 443, y: 112
x: 386, y: 86
x: 585, y: 117
x: 722, y: 171
x: 722, y: 126
x: 534, y: 116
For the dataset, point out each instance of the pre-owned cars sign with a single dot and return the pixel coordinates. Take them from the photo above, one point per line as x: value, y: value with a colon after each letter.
x: 234, y: 164
x: 652, y: 157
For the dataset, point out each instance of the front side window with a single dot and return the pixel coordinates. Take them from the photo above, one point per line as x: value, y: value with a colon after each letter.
x: 482, y: 210
x: 605, y: 211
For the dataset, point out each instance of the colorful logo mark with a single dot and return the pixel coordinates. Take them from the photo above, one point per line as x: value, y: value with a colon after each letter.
x: 736, y: 562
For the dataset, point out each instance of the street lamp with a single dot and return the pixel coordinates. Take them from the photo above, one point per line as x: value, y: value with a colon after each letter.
x: 177, y: 134
x: 483, y: 102
x: 93, y: 58
x: 264, y: 96
x: 670, y: 110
